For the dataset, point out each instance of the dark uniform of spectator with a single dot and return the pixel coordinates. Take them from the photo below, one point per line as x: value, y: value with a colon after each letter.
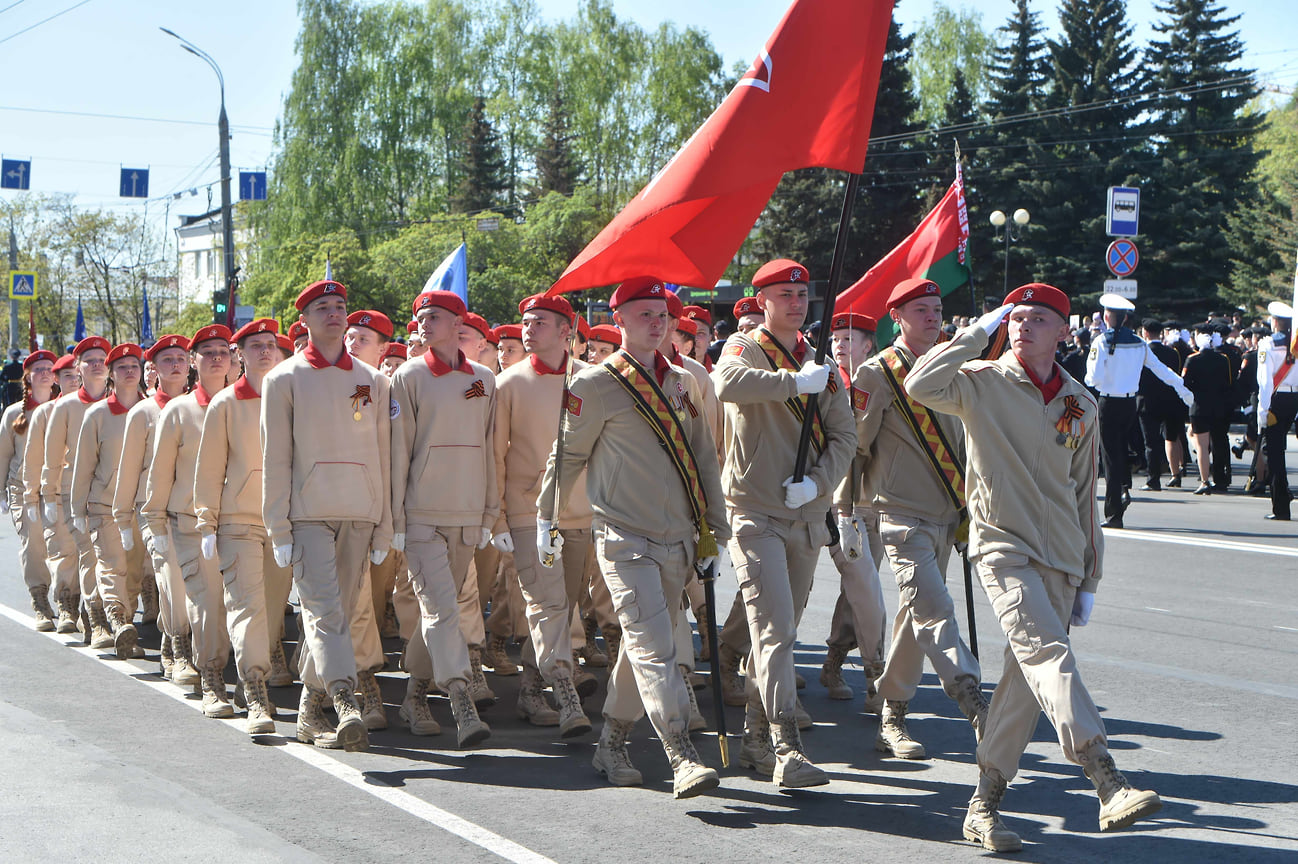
x: 12, y: 375
x: 1208, y: 376
x: 1161, y: 412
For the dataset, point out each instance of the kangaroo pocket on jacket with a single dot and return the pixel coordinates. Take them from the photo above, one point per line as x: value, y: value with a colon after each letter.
x: 341, y: 489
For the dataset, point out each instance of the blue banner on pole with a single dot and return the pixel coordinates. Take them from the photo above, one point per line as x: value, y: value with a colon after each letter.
x: 79, y: 331
x: 146, y: 326
x: 452, y: 274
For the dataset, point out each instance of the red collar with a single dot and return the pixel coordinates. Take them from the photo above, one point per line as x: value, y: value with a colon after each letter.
x: 243, y: 389
x: 30, y: 404
x: 661, y: 366
x: 541, y: 369
x: 707, y: 362
x: 115, y: 405
x: 201, y: 396
x: 317, y: 360
x: 160, y: 396
x: 800, y: 349
x: 1049, y: 389
x: 847, y: 379
x: 438, y: 368
x: 85, y: 397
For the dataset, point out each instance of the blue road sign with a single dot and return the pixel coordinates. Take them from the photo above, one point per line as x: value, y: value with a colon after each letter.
x: 15, y: 174
x: 1122, y: 258
x: 1122, y: 218
x: 135, y: 183
x: 22, y: 285
x: 252, y: 185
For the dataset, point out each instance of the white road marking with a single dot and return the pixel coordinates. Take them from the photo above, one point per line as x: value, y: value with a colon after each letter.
x: 1156, y: 609
x: 1290, y: 629
x: 319, y: 759
x: 1202, y: 542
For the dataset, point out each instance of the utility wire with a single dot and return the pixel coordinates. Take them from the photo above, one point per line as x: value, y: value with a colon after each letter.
x: 39, y: 23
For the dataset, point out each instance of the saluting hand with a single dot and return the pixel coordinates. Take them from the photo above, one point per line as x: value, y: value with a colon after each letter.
x: 991, y: 321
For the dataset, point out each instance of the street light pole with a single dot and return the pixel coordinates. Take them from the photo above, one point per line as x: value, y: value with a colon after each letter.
x: 227, y: 216
x: 1020, y: 220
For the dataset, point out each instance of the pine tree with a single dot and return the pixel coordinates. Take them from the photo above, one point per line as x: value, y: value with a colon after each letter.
x: 1203, y: 138
x: 482, y: 178
x: 557, y: 168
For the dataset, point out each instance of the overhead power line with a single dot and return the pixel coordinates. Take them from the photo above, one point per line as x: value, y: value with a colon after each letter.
x: 38, y: 23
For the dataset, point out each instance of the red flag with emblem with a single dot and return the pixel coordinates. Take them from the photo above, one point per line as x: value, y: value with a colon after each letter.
x: 806, y: 101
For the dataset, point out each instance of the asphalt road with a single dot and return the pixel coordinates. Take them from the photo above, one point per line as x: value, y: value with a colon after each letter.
x: 1190, y: 654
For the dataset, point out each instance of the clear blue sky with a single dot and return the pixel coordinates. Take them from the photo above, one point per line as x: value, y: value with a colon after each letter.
x: 108, y: 57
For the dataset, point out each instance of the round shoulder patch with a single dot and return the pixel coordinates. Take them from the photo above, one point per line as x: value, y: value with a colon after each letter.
x: 394, y: 409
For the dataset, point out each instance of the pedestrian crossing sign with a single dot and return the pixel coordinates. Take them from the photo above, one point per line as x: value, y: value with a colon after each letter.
x: 22, y: 285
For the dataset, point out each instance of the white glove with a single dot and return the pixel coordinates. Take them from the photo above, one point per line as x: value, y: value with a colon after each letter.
x: 503, y: 542
x: 991, y: 322
x: 1083, y: 603
x: 283, y: 554
x: 51, y: 512
x: 1188, y: 398
x: 377, y: 556
x: 208, y: 546
x: 706, y: 564
x: 546, y: 545
x: 812, y: 378
x: 4, y: 505
x: 849, y: 536
x: 799, y: 494
x: 128, y: 538
x: 79, y: 523
x: 33, y: 513
x: 486, y: 538
x: 399, y: 542
x: 161, y: 543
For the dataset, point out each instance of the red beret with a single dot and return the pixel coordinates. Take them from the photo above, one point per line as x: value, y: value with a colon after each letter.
x: 261, y: 325
x: 284, y: 342
x: 65, y: 362
x: 36, y: 357
x: 91, y: 342
x: 698, y: 313
x: 912, y: 289
x: 640, y: 288
x: 169, y: 341
x: 779, y: 271
x: 675, y: 307
x: 510, y: 331
x: 1041, y: 294
x: 208, y: 333
x: 583, y: 327
x: 412, y: 326
x: 447, y: 300
x: 606, y: 333
x: 296, y: 330
x: 557, y: 305
x: 126, y: 349
x: 687, y: 326
x: 747, y: 306
x: 855, y: 321
x: 477, y: 322
x: 395, y: 349
x: 493, y: 338
x: 376, y: 321
x: 319, y: 289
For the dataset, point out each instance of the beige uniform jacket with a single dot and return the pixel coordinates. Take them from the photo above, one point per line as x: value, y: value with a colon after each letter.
x: 708, y: 389
x: 11, y: 453
x: 34, y: 453
x: 175, y: 460
x: 61, y: 443
x: 891, y: 465
x: 762, y: 434
x: 320, y: 463
x: 1028, y: 492
x: 137, y: 452
x: 227, y: 476
x: 99, y: 451
x: 630, y: 481
x: 528, y: 405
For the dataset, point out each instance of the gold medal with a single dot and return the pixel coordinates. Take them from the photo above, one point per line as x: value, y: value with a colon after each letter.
x: 357, y: 416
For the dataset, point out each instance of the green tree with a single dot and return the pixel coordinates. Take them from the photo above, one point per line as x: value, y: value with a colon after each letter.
x: 482, y: 177
x: 948, y: 42
x: 557, y: 168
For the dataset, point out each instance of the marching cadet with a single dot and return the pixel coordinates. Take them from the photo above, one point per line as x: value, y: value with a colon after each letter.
x: 475, y: 335
x: 368, y: 335
x: 1037, y: 549
x: 326, y: 441
x: 604, y: 340
x: 702, y: 319
x: 170, y: 357
x: 94, y: 481
x: 633, y: 423
x: 511, y: 345
x: 71, y: 554
x: 442, y: 508
x: 227, y: 505
x: 415, y: 346
x: 1113, y: 370
x: 777, y: 522
x: 529, y: 404
x: 393, y: 356
x: 383, y: 577
x: 748, y: 314
x: 169, y: 511
x: 38, y: 388
x: 297, y: 332
x: 1277, y: 403
x: 67, y: 380
x: 859, y: 618
x: 286, y: 348
x: 913, y: 460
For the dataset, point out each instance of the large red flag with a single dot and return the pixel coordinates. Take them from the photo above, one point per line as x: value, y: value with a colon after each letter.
x: 806, y: 101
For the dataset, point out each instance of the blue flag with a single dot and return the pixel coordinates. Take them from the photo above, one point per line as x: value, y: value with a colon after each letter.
x: 452, y: 274
x: 79, y: 332
x: 146, y: 328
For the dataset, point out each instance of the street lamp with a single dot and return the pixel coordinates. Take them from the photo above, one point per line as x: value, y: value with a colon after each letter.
x: 1020, y: 220
x: 227, y: 216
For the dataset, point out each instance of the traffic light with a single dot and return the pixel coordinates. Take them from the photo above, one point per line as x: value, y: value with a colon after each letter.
x: 220, y: 304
